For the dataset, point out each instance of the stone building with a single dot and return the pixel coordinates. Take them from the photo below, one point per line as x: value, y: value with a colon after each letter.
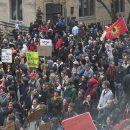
x: 86, y: 11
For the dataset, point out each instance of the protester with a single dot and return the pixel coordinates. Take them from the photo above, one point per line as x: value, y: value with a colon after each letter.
x: 84, y: 74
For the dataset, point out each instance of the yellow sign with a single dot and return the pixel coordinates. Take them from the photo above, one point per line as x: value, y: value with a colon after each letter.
x: 32, y: 59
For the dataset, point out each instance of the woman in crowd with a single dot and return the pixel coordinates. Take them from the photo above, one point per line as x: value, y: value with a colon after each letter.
x: 70, y: 82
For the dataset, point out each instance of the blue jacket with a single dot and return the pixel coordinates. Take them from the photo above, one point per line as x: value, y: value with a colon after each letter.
x: 80, y: 70
x: 62, y: 25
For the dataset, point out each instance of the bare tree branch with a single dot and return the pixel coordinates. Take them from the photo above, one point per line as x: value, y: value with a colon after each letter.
x: 105, y: 6
x: 128, y: 19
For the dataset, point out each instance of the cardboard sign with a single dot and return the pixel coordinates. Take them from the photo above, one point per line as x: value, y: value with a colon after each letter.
x: 46, y: 126
x: 80, y: 122
x: 35, y: 115
x: 32, y: 59
x: 44, y: 50
x: 45, y: 42
x: 7, y: 55
x: 10, y: 126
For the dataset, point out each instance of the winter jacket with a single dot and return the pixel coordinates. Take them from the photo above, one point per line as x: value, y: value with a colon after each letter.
x: 80, y: 70
x: 59, y: 43
x: 70, y: 92
x: 119, y: 74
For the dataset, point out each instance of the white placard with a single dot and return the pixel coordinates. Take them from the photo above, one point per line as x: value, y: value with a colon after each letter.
x: 7, y: 55
x: 45, y: 42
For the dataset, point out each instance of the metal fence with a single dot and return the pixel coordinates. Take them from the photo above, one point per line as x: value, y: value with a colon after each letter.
x: 9, y: 27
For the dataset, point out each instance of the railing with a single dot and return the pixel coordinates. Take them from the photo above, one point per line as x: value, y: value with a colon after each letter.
x: 9, y: 27
x: 103, y: 23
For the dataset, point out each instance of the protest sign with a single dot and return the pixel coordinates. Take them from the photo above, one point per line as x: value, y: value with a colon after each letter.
x: 32, y: 59
x: 80, y: 122
x: 35, y: 115
x: 7, y: 55
x: 45, y: 42
x: 46, y: 126
x: 10, y: 126
x: 45, y: 48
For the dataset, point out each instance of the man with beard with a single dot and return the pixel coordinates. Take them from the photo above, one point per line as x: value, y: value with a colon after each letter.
x: 110, y: 111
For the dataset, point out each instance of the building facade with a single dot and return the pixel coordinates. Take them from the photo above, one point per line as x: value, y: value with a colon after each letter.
x: 86, y: 11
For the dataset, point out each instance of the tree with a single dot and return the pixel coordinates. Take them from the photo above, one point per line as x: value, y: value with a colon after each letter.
x: 105, y: 6
x: 112, y: 11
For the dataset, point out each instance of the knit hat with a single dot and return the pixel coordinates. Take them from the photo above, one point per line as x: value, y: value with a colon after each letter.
x: 33, y: 75
x: 92, y: 81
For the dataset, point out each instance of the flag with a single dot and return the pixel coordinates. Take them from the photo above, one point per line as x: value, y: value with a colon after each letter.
x: 116, y: 29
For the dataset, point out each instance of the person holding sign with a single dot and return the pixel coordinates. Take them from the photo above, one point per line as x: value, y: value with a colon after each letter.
x: 32, y: 46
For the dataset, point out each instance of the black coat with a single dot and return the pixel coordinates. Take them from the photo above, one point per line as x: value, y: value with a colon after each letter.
x: 28, y: 101
x: 69, y: 114
x: 79, y: 107
x: 126, y: 84
x: 113, y: 112
x: 128, y: 70
x: 54, y: 107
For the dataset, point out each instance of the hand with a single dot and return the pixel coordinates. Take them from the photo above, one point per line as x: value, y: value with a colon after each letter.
x: 99, y: 108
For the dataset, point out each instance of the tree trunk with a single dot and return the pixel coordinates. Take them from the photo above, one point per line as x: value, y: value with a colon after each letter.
x: 128, y: 19
x: 105, y: 6
x: 129, y: 1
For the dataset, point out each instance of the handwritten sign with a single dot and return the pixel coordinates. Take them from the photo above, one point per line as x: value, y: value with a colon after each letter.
x: 45, y: 48
x: 32, y: 59
x: 80, y: 122
x: 45, y: 42
x: 7, y: 55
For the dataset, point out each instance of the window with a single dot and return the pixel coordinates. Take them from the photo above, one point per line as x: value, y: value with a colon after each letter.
x: 16, y: 10
x: 119, y: 6
x: 52, y: 11
x: 86, y: 8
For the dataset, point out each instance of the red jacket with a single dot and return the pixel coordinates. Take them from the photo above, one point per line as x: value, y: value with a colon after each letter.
x: 32, y: 47
x: 59, y: 43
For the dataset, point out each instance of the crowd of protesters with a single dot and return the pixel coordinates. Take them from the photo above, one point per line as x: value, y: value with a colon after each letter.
x: 83, y: 74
